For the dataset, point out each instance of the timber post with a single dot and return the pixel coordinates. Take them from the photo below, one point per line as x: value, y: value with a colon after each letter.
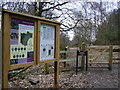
x: 47, y: 70
x: 83, y: 57
x: 56, y: 75
x: 65, y: 56
x: 110, y: 56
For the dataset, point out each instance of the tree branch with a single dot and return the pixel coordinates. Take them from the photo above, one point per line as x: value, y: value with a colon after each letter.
x: 54, y: 6
x: 69, y: 28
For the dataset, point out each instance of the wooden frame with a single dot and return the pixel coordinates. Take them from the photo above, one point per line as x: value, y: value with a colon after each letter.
x: 7, y: 40
x: 6, y: 21
x: 35, y: 31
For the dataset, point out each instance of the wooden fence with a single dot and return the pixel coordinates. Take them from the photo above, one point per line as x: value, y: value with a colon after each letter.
x: 97, y: 53
x: 94, y: 55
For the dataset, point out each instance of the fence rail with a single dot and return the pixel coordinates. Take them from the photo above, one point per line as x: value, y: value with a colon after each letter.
x: 107, y: 50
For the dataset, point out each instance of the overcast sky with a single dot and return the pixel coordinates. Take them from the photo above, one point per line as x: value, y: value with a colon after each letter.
x: 75, y: 4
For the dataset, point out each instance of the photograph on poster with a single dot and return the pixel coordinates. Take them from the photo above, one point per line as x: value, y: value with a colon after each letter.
x: 47, y: 42
x: 21, y: 41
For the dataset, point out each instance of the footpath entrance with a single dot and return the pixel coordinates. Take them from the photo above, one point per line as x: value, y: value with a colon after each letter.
x: 103, y: 56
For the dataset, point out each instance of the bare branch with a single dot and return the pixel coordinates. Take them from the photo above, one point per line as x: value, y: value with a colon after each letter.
x: 54, y: 6
x: 70, y: 28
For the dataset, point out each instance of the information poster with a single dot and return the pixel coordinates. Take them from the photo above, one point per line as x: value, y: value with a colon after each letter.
x: 21, y: 41
x: 47, y: 42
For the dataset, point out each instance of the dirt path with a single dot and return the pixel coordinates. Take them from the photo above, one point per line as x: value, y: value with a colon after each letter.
x: 95, y: 78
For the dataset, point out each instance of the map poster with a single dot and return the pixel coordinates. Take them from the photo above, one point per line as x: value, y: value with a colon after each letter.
x: 21, y: 41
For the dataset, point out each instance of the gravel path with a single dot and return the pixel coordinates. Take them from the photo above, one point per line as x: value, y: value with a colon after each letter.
x: 95, y: 78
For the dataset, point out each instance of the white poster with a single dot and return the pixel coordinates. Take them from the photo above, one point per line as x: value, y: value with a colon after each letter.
x: 47, y: 42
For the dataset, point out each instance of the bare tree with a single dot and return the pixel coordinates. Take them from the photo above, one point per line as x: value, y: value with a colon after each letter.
x: 88, y: 18
x: 41, y: 8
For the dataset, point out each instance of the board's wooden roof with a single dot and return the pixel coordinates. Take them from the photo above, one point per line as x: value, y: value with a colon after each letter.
x: 31, y: 16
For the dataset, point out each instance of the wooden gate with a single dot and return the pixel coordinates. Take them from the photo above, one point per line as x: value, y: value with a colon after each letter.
x: 103, y: 56
x: 100, y: 56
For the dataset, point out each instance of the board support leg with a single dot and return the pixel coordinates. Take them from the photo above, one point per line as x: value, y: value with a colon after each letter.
x: 110, y: 56
x: 47, y: 70
x: 5, y: 49
x: 56, y: 75
x: 1, y: 71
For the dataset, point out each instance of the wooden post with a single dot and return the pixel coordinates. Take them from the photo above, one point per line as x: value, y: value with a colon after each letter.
x: 110, y: 56
x: 83, y: 57
x: 56, y: 63
x: 56, y: 75
x: 65, y: 57
x: 86, y: 60
x: 77, y: 62
x: 6, y: 48
x: 47, y: 70
x: 1, y: 60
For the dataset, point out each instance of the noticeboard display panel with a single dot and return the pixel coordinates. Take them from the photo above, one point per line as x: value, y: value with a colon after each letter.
x: 21, y: 41
x: 47, y: 42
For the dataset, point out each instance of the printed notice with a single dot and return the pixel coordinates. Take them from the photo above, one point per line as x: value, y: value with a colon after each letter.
x: 47, y: 42
x: 21, y: 41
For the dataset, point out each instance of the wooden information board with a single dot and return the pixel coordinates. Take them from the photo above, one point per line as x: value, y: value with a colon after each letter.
x: 27, y: 40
